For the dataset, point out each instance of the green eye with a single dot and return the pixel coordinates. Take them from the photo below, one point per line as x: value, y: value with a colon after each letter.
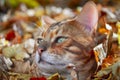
x: 61, y: 39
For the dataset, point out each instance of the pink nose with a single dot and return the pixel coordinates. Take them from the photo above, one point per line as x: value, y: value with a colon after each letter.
x: 40, y: 50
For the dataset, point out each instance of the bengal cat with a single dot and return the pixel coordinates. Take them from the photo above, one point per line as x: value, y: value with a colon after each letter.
x: 68, y: 41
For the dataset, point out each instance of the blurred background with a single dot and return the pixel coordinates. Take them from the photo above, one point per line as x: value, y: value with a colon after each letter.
x: 20, y: 21
x: 7, y: 4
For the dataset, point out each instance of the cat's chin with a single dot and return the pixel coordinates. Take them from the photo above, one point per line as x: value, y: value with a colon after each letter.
x: 48, y: 68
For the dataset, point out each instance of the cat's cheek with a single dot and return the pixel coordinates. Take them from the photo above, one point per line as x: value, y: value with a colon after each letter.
x: 37, y: 57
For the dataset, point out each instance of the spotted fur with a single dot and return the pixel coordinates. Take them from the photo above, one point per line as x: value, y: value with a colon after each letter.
x: 68, y: 41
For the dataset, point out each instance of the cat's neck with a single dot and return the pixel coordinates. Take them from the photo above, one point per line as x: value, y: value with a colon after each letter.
x: 88, y: 68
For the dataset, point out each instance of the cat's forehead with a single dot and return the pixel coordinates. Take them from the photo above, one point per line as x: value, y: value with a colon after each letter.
x: 60, y: 23
x: 65, y: 27
x: 54, y: 28
x: 52, y: 31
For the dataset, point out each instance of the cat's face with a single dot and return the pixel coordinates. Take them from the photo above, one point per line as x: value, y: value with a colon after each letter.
x: 68, y: 41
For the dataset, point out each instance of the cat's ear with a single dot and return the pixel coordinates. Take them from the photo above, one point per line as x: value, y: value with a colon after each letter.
x: 47, y: 20
x: 88, y: 16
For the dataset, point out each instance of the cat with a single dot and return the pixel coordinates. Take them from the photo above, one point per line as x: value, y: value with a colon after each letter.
x: 69, y: 41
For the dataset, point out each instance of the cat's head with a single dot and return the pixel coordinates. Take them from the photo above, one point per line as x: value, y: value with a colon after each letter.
x: 67, y: 41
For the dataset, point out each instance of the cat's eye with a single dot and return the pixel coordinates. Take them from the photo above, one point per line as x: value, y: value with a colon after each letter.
x: 60, y: 39
x: 39, y: 40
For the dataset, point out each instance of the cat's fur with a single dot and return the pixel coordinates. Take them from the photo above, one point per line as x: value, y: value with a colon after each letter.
x: 69, y: 41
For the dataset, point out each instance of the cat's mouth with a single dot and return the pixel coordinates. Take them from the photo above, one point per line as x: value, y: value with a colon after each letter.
x: 43, y: 61
x: 50, y: 63
x: 50, y: 67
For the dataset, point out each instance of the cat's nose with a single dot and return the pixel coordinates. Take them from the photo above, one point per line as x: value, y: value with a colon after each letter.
x: 41, y: 50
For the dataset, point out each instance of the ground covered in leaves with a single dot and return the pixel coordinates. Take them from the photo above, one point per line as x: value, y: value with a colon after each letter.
x: 19, y: 28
